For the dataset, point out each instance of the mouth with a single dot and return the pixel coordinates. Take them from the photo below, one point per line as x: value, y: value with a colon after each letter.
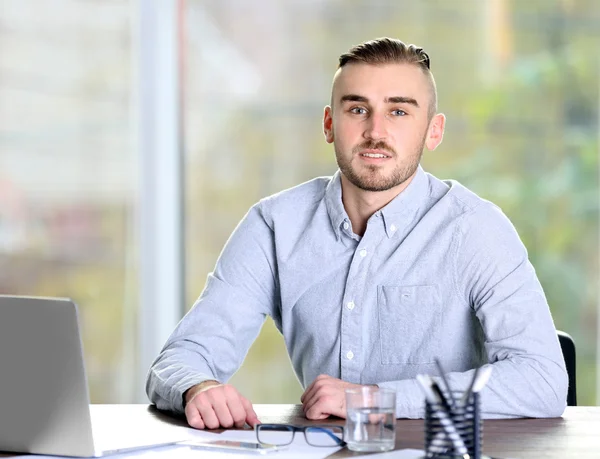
x: 374, y: 155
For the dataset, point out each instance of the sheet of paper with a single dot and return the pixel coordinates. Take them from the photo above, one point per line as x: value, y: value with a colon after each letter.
x: 406, y: 454
x: 399, y: 454
x: 183, y: 434
x: 171, y: 451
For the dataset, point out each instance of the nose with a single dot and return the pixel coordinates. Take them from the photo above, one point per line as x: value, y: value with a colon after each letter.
x: 375, y: 128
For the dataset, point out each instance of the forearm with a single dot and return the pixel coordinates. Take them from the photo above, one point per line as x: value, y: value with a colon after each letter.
x: 174, y: 372
x: 212, y: 340
x: 208, y: 344
x: 518, y: 387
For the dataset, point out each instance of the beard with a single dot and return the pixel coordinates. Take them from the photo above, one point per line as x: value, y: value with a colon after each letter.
x: 372, y: 178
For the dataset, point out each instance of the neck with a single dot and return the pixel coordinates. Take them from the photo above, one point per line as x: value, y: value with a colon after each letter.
x: 361, y: 204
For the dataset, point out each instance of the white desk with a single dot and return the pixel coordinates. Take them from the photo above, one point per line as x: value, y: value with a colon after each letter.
x: 575, y: 435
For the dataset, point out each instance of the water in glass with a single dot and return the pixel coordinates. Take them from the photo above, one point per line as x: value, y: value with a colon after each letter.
x: 370, y: 429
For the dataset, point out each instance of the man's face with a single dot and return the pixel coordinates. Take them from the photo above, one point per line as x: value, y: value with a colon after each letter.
x: 379, y: 123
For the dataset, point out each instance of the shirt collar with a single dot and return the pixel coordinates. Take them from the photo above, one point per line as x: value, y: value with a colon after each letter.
x: 395, y: 212
x: 407, y: 203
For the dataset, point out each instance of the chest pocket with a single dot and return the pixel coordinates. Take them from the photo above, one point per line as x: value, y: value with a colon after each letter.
x: 410, y: 320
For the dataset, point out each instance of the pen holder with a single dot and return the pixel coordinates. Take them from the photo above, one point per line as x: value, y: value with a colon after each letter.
x: 441, y: 441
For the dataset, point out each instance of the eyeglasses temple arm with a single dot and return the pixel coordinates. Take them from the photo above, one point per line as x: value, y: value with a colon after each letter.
x: 338, y: 440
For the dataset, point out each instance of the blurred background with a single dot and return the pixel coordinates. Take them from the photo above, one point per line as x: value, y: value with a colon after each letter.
x: 121, y: 118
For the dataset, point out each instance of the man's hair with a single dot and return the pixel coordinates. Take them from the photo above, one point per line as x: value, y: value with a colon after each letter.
x: 392, y: 51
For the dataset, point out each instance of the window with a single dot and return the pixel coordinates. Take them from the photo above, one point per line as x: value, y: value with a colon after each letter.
x: 67, y: 173
x: 518, y: 81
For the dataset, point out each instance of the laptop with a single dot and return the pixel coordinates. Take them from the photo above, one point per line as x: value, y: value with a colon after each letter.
x: 44, y: 401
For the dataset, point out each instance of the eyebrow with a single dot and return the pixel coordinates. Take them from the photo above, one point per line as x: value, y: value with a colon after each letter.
x: 388, y: 100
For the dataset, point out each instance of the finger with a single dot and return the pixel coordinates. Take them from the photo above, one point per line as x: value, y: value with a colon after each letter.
x: 219, y: 404
x: 209, y: 417
x: 310, y: 391
x: 327, y: 404
x: 237, y: 410
x: 193, y: 416
x: 319, y: 388
x: 316, y: 410
x: 317, y: 417
x: 306, y: 392
x: 251, y: 417
x: 311, y: 402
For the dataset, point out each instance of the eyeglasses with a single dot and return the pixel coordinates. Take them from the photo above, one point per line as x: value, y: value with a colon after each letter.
x: 283, y: 434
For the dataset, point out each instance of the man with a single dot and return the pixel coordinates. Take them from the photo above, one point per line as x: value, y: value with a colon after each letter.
x: 372, y: 273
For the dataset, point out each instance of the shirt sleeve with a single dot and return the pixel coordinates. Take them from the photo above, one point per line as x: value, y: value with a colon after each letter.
x: 494, y: 276
x: 212, y: 340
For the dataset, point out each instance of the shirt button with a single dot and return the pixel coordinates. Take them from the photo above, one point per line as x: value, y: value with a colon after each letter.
x: 346, y: 225
x: 393, y: 228
x: 350, y: 305
x: 350, y: 355
x: 363, y: 253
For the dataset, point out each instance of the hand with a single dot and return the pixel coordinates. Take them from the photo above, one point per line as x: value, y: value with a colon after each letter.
x: 326, y: 396
x: 210, y: 405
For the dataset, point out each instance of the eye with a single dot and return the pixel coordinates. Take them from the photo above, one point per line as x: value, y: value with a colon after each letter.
x: 399, y: 112
x: 358, y: 110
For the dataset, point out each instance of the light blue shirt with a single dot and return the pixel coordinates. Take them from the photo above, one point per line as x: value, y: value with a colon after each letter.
x: 439, y: 272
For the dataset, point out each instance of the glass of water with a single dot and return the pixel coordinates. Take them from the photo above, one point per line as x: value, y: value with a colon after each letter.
x: 370, y: 419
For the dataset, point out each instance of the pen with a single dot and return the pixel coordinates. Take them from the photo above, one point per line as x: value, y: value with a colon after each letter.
x: 480, y: 379
x: 469, y: 390
x: 478, y: 382
x: 437, y: 446
x: 440, y: 395
x: 427, y: 384
x: 438, y: 364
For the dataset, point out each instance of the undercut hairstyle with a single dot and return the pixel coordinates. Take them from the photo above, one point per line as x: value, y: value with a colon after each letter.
x: 392, y: 51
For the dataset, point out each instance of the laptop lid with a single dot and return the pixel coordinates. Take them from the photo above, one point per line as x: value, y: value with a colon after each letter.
x: 43, y: 388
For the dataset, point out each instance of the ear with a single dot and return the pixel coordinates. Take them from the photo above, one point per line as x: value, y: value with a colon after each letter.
x: 328, y: 124
x: 435, y: 133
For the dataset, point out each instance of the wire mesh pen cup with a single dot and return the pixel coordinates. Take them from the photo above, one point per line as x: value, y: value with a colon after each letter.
x: 444, y: 440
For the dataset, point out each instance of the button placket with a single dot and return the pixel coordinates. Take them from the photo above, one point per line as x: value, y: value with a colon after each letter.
x: 352, y: 317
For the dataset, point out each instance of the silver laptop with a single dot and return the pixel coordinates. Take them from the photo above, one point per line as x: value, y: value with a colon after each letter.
x: 44, y: 402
